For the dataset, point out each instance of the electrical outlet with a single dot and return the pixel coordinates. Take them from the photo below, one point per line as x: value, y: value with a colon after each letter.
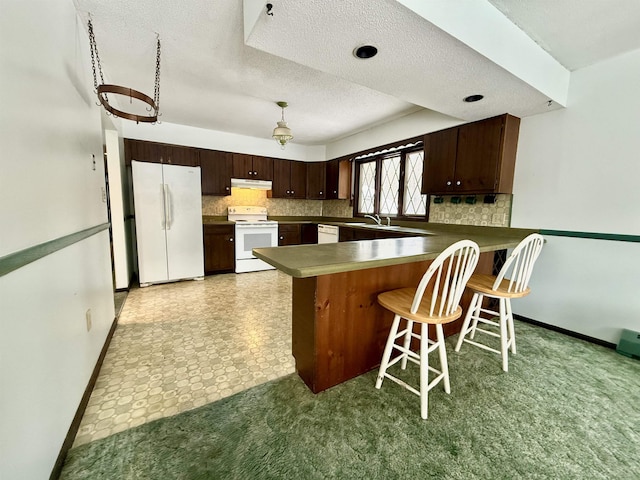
x: 88, y: 319
x: 498, y: 218
x: 104, y: 194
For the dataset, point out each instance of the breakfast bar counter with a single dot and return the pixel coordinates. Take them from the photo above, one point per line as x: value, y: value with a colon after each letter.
x: 338, y: 328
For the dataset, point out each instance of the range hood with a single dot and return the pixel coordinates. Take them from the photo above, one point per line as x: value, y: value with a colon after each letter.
x: 248, y: 183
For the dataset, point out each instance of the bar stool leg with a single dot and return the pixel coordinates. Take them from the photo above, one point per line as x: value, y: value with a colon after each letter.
x: 424, y: 370
x: 476, y: 314
x: 387, y: 350
x: 467, y: 321
x: 407, y: 344
x: 442, y: 351
x: 504, y: 344
x: 512, y: 331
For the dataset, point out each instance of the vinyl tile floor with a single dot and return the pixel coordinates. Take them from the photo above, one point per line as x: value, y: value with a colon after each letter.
x: 182, y: 345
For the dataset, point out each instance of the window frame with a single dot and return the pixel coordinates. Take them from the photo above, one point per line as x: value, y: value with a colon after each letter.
x: 378, y: 182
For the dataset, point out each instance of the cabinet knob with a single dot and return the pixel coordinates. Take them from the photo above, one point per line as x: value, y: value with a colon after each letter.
x: 448, y: 184
x: 255, y: 173
x: 288, y: 192
x: 249, y: 173
x: 335, y: 191
x: 458, y: 182
x: 231, y: 239
x: 320, y: 193
x: 281, y: 238
x: 226, y: 188
x: 292, y: 192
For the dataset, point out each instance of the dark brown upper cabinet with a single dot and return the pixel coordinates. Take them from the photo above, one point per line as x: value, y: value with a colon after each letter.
x: 253, y: 167
x: 144, y: 151
x: 316, y: 180
x: 474, y: 158
x: 216, y: 169
x: 289, y: 179
x: 338, y: 179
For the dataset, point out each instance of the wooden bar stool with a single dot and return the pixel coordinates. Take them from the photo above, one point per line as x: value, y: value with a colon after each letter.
x: 434, y: 302
x: 517, y: 268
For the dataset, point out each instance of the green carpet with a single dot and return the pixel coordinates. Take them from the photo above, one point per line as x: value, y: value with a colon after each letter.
x: 567, y: 409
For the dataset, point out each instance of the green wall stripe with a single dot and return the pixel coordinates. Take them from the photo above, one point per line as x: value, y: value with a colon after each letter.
x: 597, y: 236
x: 17, y: 260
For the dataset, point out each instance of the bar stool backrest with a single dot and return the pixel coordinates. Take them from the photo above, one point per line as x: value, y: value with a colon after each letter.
x: 518, y: 267
x: 448, y: 274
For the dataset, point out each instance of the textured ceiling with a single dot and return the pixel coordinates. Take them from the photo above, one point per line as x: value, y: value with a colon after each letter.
x: 577, y: 33
x: 302, y: 54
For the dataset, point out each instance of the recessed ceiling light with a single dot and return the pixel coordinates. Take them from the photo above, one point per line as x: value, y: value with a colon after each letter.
x: 365, y: 51
x: 473, y: 98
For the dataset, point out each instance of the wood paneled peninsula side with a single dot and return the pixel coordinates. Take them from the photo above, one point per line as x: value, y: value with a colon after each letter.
x: 338, y: 328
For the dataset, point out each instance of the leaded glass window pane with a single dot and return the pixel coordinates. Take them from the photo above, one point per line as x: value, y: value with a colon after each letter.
x: 367, y: 194
x: 389, y: 186
x: 415, y: 203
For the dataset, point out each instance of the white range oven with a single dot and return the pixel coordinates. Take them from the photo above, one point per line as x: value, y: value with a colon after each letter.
x: 252, y: 230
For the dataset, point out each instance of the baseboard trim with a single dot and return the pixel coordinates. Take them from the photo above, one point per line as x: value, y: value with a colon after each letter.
x: 570, y: 333
x: 75, y: 424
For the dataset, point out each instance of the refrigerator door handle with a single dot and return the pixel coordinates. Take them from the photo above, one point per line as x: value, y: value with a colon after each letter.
x: 167, y: 207
x: 163, y: 219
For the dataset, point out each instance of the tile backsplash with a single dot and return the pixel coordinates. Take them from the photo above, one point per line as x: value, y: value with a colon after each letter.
x: 217, y: 206
x: 496, y: 214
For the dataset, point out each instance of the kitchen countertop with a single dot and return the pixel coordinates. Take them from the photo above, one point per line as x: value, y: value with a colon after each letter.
x: 302, y: 261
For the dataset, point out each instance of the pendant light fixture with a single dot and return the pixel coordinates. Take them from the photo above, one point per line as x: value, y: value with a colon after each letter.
x: 282, y: 133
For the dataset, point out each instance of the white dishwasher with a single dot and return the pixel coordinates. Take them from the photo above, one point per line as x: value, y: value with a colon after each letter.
x: 327, y: 234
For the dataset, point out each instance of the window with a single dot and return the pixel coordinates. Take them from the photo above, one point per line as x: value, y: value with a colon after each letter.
x: 389, y: 184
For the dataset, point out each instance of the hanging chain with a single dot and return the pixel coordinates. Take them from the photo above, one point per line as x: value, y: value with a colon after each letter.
x: 95, y: 58
x: 156, y: 90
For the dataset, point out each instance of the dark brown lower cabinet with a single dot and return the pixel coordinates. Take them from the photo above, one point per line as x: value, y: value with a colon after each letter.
x: 289, y: 235
x: 309, y: 233
x: 219, y: 249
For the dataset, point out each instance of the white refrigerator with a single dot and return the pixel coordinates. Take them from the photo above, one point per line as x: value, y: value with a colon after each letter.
x: 168, y: 216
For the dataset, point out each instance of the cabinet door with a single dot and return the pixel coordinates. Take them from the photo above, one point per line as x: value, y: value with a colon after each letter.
x: 216, y: 169
x: 298, y: 180
x: 346, y: 234
x: 309, y: 233
x: 262, y: 168
x: 338, y: 179
x: 281, y: 179
x: 477, y: 159
x: 332, y: 179
x: 289, y: 235
x: 219, y: 251
x: 439, y: 161
x: 242, y: 166
x: 177, y: 155
x: 316, y: 180
x: 141, y: 151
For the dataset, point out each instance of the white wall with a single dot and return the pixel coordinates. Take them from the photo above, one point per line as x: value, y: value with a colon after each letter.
x: 409, y: 126
x: 412, y: 125
x: 577, y: 169
x: 117, y: 190
x: 49, y: 130
x: 216, y: 140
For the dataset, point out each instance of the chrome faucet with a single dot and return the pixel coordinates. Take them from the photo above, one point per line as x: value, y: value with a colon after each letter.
x: 388, y: 221
x: 375, y: 219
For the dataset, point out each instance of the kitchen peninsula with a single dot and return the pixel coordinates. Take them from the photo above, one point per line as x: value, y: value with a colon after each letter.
x: 338, y: 328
